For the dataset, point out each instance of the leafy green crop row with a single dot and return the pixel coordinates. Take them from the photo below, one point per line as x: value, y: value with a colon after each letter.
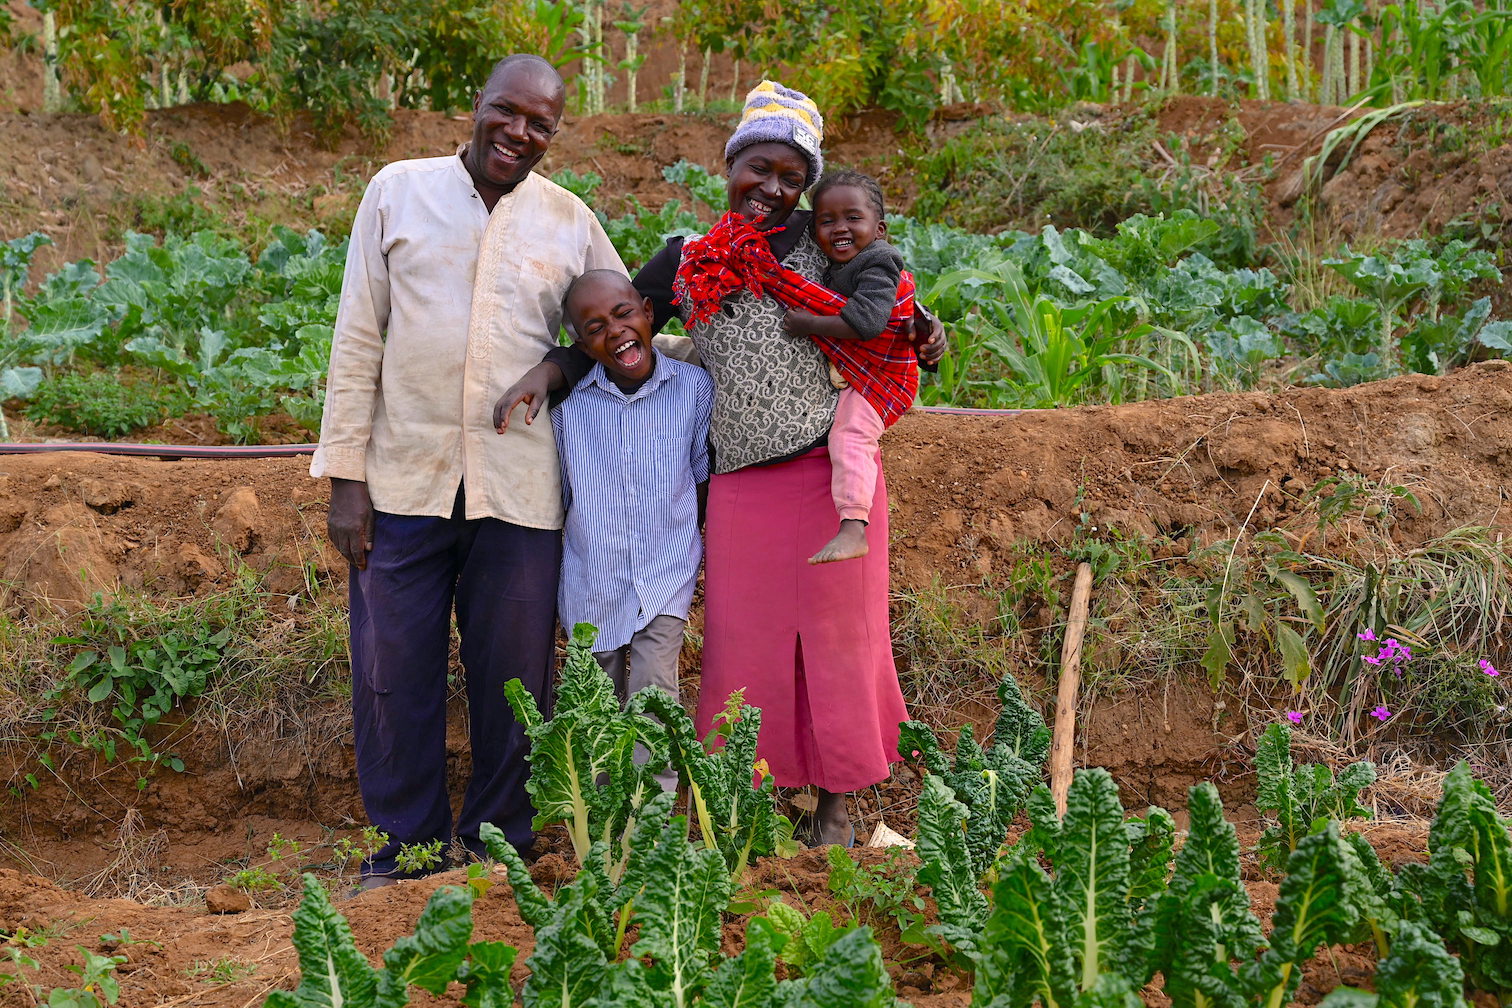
x: 236, y: 338
x: 1056, y: 318
x: 1082, y: 910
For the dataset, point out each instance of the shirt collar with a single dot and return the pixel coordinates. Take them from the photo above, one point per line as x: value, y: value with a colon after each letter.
x: 663, y: 371
x: 461, y: 172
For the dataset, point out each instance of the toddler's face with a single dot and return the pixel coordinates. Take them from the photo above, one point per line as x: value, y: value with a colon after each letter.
x: 845, y: 222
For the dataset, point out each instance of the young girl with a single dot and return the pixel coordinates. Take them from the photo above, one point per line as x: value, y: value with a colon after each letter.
x: 864, y: 340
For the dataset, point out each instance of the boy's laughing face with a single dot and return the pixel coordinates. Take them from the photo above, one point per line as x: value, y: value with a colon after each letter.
x: 613, y: 326
x: 845, y: 222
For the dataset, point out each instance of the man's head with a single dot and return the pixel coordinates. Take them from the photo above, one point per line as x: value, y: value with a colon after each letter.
x: 848, y: 214
x: 515, y: 116
x: 612, y: 324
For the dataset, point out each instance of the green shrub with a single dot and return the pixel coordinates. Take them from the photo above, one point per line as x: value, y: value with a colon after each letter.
x: 100, y: 404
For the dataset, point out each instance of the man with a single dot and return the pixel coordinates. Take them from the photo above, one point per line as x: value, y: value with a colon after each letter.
x: 453, y: 288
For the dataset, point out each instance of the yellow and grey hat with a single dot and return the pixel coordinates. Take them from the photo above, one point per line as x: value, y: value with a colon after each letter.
x: 773, y: 112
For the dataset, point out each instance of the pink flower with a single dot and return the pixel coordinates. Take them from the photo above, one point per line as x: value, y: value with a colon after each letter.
x: 1294, y: 716
x: 1367, y: 635
x: 1380, y: 713
x: 1488, y: 668
x: 1371, y: 659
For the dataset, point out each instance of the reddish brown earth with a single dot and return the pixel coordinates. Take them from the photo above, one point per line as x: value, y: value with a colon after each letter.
x: 964, y: 490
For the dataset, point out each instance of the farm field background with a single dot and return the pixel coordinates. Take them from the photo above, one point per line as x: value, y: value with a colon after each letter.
x: 1259, y: 341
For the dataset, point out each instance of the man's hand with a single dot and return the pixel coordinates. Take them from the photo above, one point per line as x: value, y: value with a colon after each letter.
x: 534, y: 389
x: 350, y: 520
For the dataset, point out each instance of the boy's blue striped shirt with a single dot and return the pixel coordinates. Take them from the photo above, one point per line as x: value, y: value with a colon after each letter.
x: 630, y: 469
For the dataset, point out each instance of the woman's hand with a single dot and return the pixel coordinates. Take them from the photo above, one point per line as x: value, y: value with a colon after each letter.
x: 929, y: 337
x: 534, y: 388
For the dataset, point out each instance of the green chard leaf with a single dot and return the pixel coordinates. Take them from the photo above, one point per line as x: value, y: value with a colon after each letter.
x: 429, y: 958
x: 1092, y: 878
x: 679, y: 911
x: 332, y: 971
x: 945, y: 865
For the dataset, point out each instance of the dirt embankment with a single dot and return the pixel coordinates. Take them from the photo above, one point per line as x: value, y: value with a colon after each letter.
x: 226, y: 165
x: 968, y: 493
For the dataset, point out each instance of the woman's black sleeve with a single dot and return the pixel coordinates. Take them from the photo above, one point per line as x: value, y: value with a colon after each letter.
x: 573, y: 364
x: 655, y: 281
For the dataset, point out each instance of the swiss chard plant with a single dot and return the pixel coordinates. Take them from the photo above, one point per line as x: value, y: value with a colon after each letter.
x: 582, y: 768
x: 1465, y: 890
x: 730, y: 798
x: 672, y: 895
x: 991, y: 779
x: 333, y: 972
x: 1300, y: 797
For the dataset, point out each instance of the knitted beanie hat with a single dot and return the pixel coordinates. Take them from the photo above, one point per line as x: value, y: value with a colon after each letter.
x: 773, y: 112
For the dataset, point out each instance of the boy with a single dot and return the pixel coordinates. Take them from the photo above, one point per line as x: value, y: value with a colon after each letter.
x: 876, y: 365
x: 633, y: 439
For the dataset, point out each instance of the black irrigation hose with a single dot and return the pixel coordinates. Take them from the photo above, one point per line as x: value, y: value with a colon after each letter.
x: 285, y: 450
x: 162, y: 451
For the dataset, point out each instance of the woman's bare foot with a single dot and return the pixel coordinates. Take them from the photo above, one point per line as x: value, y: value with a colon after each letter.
x: 832, y: 819
x: 849, y: 543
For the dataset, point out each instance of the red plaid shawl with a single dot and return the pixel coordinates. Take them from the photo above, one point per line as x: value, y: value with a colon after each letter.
x: 735, y: 256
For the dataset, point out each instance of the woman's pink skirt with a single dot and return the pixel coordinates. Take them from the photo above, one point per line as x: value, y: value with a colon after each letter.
x: 810, y: 644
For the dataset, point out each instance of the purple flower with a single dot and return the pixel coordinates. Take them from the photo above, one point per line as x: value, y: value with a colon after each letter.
x: 1488, y: 668
x: 1371, y: 659
x: 1380, y: 713
x: 1294, y: 716
x: 1367, y: 635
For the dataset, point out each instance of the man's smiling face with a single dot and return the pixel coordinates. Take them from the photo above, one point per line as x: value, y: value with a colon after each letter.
x: 515, y: 117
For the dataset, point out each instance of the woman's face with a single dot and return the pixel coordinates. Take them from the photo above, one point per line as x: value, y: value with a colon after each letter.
x: 766, y: 180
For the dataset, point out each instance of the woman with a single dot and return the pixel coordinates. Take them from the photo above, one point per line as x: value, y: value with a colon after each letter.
x: 809, y: 644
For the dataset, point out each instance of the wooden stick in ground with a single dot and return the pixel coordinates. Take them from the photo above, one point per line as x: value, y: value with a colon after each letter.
x: 1064, y: 740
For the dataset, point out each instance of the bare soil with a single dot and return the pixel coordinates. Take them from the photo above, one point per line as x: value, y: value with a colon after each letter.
x: 965, y: 489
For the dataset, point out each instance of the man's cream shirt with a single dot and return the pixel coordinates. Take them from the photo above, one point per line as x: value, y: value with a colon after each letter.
x: 443, y: 307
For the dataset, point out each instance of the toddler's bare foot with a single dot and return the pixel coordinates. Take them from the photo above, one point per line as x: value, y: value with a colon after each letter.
x: 849, y: 543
